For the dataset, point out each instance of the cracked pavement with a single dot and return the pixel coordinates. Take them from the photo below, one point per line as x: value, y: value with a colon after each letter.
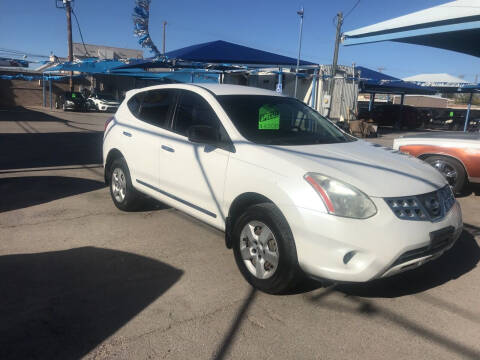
x: 82, y: 279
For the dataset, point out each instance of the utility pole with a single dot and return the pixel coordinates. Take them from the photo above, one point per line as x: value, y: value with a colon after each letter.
x: 338, y: 38
x: 163, y: 45
x: 68, y: 9
x: 300, y: 12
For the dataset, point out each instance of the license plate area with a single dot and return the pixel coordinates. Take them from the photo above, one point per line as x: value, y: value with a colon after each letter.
x: 441, y: 239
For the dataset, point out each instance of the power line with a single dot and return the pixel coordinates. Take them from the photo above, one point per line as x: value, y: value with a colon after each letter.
x: 21, y: 53
x: 351, y: 10
x: 80, y: 31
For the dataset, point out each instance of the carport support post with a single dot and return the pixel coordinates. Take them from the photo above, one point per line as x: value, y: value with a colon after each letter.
x: 43, y: 92
x: 50, y: 90
x: 467, y: 117
x: 371, y: 102
x: 280, y: 76
x: 314, y: 88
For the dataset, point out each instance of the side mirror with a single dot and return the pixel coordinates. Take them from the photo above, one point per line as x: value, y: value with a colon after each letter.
x: 203, y: 134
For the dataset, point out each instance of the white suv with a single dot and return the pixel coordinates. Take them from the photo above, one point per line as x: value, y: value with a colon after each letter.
x: 294, y: 194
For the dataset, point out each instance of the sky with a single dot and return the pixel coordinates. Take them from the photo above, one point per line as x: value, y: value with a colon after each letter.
x: 38, y: 27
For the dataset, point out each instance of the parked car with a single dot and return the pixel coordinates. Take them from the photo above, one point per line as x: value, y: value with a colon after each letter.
x: 294, y: 194
x: 71, y: 101
x: 455, y: 154
x: 448, y: 119
x: 103, y: 102
x: 399, y: 116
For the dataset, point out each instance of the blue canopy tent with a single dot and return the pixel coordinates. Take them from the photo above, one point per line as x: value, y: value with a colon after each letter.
x: 220, y: 54
x: 112, y: 67
x: 375, y: 82
x: 452, y: 26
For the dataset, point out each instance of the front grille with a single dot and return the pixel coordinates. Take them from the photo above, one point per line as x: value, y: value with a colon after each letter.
x: 426, y: 207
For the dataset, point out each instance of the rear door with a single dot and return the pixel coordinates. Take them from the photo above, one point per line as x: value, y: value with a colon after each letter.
x: 194, y: 174
x: 150, y: 117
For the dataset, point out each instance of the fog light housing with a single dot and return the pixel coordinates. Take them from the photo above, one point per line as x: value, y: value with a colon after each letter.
x: 348, y: 256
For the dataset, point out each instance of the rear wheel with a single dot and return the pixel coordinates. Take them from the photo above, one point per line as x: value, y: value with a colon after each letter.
x: 451, y: 169
x: 124, y: 196
x: 264, y: 249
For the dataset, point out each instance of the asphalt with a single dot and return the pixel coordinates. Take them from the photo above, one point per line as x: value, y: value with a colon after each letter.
x: 81, y: 279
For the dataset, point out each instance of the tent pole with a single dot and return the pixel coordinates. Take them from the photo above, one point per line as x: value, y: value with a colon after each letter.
x: 371, y: 102
x: 43, y: 92
x: 314, y: 87
x: 50, y: 90
x: 467, y: 117
x: 279, y: 83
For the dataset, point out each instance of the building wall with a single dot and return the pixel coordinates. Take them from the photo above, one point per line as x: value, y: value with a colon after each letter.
x: 423, y: 101
x: 30, y: 93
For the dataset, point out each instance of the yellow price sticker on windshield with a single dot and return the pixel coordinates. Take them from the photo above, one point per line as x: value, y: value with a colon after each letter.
x: 268, y: 118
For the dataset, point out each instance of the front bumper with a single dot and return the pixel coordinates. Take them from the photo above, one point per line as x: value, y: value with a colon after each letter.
x: 352, y: 250
x: 107, y: 108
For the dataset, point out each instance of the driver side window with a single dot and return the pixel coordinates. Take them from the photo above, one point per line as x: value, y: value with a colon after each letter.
x: 192, y: 110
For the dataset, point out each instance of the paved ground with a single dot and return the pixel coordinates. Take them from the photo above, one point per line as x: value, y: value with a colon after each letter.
x: 82, y: 279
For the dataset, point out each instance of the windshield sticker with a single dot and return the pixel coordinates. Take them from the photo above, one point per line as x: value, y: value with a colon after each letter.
x: 74, y: 95
x: 268, y: 118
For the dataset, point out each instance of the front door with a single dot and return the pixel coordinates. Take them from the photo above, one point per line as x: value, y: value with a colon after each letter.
x: 194, y: 174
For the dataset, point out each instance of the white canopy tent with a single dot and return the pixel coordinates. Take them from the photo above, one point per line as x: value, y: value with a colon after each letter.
x: 437, y: 80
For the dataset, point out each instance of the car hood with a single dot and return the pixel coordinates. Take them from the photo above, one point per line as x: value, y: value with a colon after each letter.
x: 377, y: 171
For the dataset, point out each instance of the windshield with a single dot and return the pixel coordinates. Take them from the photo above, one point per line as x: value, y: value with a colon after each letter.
x: 278, y: 120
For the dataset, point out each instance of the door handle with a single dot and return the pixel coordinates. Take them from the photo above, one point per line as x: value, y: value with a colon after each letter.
x: 127, y: 134
x: 168, y: 148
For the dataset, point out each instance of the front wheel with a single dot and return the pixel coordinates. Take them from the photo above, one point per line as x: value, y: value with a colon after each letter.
x: 265, y: 250
x: 124, y: 196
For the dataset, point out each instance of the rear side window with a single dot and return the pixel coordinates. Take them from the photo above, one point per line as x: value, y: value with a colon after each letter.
x: 154, y: 106
x: 192, y: 109
x: 134, y: 104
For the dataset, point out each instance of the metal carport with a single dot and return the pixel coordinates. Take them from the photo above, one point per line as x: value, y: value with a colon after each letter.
x: 452, y: 26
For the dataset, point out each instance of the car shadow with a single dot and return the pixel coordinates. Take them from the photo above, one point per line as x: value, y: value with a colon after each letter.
x: 62, y: 304
x: 31, y: 150
x: 469, y: 190
x: 459, y: 260
x: 21, y: 192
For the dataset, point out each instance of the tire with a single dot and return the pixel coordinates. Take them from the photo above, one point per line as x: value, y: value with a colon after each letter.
x: 124, y: 196
x: 273, y: 279
x: 451, y: 169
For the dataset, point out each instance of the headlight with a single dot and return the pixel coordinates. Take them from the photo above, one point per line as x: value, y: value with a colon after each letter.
x: 340, y: 198
x: 69, y: 102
